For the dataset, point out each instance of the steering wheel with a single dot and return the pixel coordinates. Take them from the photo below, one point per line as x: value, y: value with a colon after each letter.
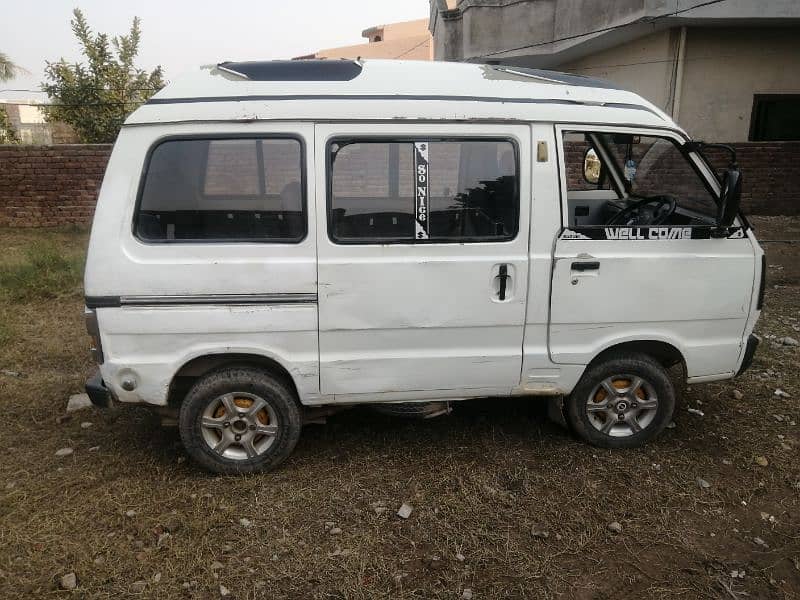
x: 637, y: 214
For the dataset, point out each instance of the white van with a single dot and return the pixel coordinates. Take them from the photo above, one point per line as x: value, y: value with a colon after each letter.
x: 276, y: 236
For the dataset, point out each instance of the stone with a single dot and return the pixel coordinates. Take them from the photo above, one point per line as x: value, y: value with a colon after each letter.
x: 68, y: 581
x: 671, y: 425
x: 466, y: 594
x: 223, y: 591
x: 703, y: 483
x: 697, y: 412
x: 99, y: 560
x: 137, y: 587
x: 10, y: 373
x: 94, y: 448
x: 460, y: 557
x: 781, y: 394
x: 761, y: 461
x: 130, y: 513
x: 540, y: 533
x: 216, y: 565
x: 61, y: 419
x: 737, y: 395
x: 335, y: 530
x: 78, y: 402
x: 86, y: 424
x: 245, y: 522
x: 788, y: 341
x: 157, y: 578
x: 64, y: 452
x: 405, y: 510
x: 758, y: 541
x: 615, y: 527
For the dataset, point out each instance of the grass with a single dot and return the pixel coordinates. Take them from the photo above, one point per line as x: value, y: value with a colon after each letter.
x: 45, y: 271
x: 482, y: 482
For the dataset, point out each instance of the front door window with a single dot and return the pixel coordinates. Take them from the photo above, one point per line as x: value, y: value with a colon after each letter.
x: 628, y: 180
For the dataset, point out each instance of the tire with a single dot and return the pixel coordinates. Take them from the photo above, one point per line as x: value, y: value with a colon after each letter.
x: 240, y: 401
x: 633, y: 385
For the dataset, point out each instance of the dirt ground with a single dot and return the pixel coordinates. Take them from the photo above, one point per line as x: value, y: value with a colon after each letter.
x: 506, y: 504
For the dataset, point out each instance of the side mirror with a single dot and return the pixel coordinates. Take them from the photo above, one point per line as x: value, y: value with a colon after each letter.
x: 591, y: 166
x: 730, y: 196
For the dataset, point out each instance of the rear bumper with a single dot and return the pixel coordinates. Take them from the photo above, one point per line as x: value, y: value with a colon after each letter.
x: 749, y: 353
x: 97, y: 391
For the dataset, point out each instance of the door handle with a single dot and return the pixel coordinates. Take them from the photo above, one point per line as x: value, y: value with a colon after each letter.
x: 503, y: 276
x: 586, y: 266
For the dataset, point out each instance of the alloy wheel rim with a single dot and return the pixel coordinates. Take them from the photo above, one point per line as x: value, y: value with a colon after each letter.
x: 622, y: 405
x: 239, y: 426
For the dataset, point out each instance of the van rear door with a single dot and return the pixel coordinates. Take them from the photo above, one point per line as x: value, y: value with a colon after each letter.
x: 422, y: 244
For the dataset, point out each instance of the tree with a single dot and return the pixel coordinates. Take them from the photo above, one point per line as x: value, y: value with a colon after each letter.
x: 8, y: 71
x: 96, y: 98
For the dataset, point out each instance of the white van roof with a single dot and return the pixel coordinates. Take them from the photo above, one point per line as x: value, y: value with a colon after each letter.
x: 391, y: 89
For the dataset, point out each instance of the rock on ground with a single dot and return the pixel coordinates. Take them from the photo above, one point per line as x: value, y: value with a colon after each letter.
x: 78, y: 402
x: 405, y: 510
x: 615, y: 527
x: 64, y: 452
x: 69, y: 581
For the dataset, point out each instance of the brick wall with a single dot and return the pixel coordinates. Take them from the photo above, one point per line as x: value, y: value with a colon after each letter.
x: 44, y: 186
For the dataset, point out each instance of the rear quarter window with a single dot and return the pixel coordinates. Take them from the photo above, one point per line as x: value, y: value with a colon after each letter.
x: 224, y: 190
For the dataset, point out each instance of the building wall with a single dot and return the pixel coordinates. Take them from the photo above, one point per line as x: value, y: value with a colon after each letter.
x: 725, y: 67
x: 407, y: 40
x: 45, y: 186
x: 28, y: 120
x: 645, y: 66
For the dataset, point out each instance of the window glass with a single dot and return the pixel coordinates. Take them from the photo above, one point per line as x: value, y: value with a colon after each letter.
x: 224, y: 190
x: 418, y: 191
x: 776, y: 117
x: 643, y: 180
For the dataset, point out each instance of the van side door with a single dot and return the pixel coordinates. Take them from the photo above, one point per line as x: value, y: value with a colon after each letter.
x: 638, y: 258
x: 423, y: 258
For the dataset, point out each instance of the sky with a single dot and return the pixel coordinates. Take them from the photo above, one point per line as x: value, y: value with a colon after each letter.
x: 182, y: 34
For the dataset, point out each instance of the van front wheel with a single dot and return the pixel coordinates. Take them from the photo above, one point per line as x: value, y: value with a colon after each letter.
x: 622, y: 402
x: 240, y: 420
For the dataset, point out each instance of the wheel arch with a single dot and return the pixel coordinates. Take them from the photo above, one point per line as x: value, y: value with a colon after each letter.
x: 667, y: 354
x: 203, y: 364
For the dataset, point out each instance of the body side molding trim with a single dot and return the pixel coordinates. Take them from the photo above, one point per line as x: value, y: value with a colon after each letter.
x: 117, y: 301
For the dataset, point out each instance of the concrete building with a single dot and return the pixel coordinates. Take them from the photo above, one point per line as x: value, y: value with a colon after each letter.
x: 408, y: 40
x: 28, y: 121
x: 726, y: 70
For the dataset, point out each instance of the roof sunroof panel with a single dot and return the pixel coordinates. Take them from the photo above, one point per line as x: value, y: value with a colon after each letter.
x: 295, y: 70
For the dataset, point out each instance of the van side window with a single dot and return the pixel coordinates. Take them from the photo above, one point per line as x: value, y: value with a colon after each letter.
x: 423, y: 191
x: 633, y: 180
x: 223, y: 190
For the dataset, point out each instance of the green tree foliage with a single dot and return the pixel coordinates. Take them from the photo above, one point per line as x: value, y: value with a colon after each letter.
x: 95, y: 98
x: 7, y: 68
x: 7, y: 72
x: 7, y: 133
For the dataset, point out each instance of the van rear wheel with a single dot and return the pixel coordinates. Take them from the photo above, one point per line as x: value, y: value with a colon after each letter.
x: 240, y: 420
x: 622, y: 402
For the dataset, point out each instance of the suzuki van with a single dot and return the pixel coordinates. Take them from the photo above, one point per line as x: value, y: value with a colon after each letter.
x: 274, y: 240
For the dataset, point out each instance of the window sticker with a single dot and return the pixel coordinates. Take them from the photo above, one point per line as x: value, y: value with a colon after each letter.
x: 421, y: 187
x: 651, y: 233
